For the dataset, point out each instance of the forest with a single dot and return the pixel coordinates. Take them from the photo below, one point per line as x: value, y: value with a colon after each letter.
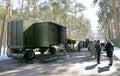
x: 68, y: 13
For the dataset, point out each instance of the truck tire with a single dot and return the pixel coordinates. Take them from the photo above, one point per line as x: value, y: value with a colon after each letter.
x: 29, y: 54
x: 42, y: 52
x: 52, y: 50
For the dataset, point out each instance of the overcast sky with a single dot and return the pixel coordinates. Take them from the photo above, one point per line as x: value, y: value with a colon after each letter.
x: 90, y: 12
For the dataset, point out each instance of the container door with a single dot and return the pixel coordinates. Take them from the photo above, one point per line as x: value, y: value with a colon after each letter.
x: 15, y: 34
x: 62, y: 35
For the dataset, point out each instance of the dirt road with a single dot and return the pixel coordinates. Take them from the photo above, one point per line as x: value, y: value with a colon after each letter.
x: 76, y: 64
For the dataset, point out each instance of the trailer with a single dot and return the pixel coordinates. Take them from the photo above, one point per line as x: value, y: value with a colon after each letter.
x: 41, y: 36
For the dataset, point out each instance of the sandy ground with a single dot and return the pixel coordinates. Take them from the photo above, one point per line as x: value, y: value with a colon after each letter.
x: 75, y: 64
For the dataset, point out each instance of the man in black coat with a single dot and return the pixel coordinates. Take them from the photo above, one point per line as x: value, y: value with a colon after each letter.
x: 109, y: 47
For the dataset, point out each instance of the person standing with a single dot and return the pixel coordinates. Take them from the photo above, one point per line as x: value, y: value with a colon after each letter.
x: 79, y: 46
x: 98, y: 50
x: 109, y: 48
x: 91, y: 48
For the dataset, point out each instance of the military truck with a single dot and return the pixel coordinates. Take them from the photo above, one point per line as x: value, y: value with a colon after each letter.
x: 41, y: 36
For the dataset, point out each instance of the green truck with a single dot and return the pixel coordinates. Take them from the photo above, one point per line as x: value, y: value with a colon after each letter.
x: 41, y: 36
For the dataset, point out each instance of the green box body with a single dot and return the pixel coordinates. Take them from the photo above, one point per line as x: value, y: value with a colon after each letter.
x: 43, y: 34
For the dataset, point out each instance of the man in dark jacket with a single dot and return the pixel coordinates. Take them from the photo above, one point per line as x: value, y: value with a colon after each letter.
x: 109, y: 50
x: 98, y: 51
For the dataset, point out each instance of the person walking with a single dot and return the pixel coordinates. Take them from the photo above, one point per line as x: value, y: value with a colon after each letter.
x: 109, y: 48
x: 98, y: 50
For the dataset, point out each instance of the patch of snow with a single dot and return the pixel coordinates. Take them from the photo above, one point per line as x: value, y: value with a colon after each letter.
x: 117, y: 52
x: 4, y: 57
x: 3, y: 54
x: 76, y: 44
x: 2, y: 50
x: 102, y: 41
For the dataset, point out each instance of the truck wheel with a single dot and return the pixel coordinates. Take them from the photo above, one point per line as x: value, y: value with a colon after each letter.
x: 29, y: 54
x: 42, y: 52
x: 52, y: 50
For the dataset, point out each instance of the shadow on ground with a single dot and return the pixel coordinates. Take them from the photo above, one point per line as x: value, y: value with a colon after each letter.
x: 90, y: 67
x: 103, y: 69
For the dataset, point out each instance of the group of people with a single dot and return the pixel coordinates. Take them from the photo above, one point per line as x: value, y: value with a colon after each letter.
x: 95, y: 50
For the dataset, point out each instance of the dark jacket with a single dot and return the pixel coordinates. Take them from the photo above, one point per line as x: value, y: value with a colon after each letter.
x: 109, y: 48
x: 98, y: 48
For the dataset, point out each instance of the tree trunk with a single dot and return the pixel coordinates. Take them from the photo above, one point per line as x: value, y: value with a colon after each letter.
x: 75, y: 20
x: 116, y: 18
x: 109, y: 31
x: 7, y: 17
x: 9, y: 9
x: 21, y: 9
x: 111, y: 27
x: 3, y: 26
x: 105, y: 35
x: 2, y: 31
x: 5, y: 41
